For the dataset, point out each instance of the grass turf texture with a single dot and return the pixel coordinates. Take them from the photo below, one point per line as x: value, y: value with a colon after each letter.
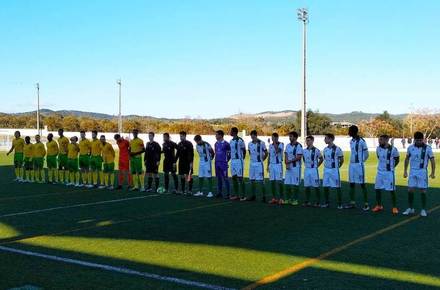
x: 231, y: 244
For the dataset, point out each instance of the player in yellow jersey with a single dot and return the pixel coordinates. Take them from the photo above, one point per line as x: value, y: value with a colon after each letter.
x: 51, y: 159
x: 96, y: 160
x: 17, y: 147
x: 136, y: 150
x: 84, y: 158
x: 72, y: 161
x: 108, y: 155
x: 63, y: 143
x: 28, y: 166
x: 38, y: 155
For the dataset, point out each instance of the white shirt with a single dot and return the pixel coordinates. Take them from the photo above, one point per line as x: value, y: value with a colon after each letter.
x: 386, y: 157
x: 418, y: 156
x: 276, y: 157
x: 256, y: 151
x: 204, y: 152
x: 331, y: 156
x: 292, y: 151
x: 237, y: 148
x: 311, y: 157
x: 359, y: 150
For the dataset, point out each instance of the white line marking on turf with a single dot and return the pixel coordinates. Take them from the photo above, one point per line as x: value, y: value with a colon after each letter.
x: 76, y: 205
x: 122, y: 270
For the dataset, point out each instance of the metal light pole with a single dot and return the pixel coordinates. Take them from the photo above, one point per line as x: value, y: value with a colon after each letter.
x: 119, y: 82
x: 303, y: 16
x: 37, y: 85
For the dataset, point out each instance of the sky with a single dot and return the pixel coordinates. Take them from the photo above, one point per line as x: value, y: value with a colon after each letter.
x: 207, y: 59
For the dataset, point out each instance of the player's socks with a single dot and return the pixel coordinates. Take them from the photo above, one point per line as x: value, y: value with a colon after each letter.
x: 112, y: 179
x: 21, y: 171
x: 423, y: 198
x: 318, y: 195
x: 201, y: 183
x: 378, y: 197
x: 101, y: 176
x: 141, y: 181
x: 281, y: 189
x: 295, y: 192
x: 327, y: 194
x: 308, y: 192
x: 90, y: 177
x: 352, y: 192
x: 61, y: 176
x: 365, y: 193
x: 95, y: 177
x: 339, y: 195
x: 32, y: 175
x: 253, y: 189
x: 50, y: 175
x: 242, y: 186
x: 156, y: 182
x: 235, y: 185
x: 43, y: 175
x: 263, y: 190
x: 106, y: 179
x: 28, y: 175
x: 209, y: 184
x: 190, y: 184
x: 135, y: 181
x: 394, y: 198
x: 150, y: 182
x: 273, y: 188
x: 72, y: 177
x: 411, y: 199
x: 84, y: 176
x: 17, y: 173
x: 166, y: 180
x: 182, y: 184
x: 77, y: 175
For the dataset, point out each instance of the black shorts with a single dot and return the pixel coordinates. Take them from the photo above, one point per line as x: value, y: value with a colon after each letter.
x: 183, y: 168
x: 168, y: 167
x: 151, y: 167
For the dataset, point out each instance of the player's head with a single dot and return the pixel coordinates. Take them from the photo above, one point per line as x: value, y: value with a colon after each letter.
x: 117, y: 137
x: 418, y: 138
x: 254, y: 135
x: 383, y: 140
x: 234, y: 131
x: 329, y: 138
x: 166, y: 137
x: 151, y: 136
x: 50, y: 137
x: 94, y: 134
x: 182, y: 135
x: 353, y: 131
x: 37, y: 138
x: 219, y: 134
x: 102, y: 139
x: 275, y: 137
x: 60, y: 132
x: 135, y: 133
x: 73, y: 139
x: 27, y: 139
x: 17, y: 134
x: 309, y: 140
x: 198, y: 139
x: 293, y: 136
x: 82, y: 133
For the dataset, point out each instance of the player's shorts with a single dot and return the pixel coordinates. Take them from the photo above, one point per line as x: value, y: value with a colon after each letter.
x: 418, y: 178
x: 221, y: 170
x: 62, y: 162
x: 84, y: 162
x: 385, y: 180
x: 356, y: 173
x: 184, y: 168
x: 311, y: 177
x: 151, y: 167
x: 124, y: 164
x: 73, y: 164
x: 38, y: 162
x: 237, y: 167
x: 256, y: 171
x: 109, y: 167
x: 18, y: 159
x: 205, y: 169
x: 52, y: 162
x: 276, y: 171
x: 136, y: 165
x: 331, y: 178
x: 96, y: 163
x: 168, y: 166
x: 293, y: 176
x: 28, y: 163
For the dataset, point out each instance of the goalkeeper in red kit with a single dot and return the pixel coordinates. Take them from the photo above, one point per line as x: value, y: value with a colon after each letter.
x: 124, y: 163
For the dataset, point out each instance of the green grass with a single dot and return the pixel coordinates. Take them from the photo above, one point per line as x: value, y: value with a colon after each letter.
x: 231, y: 244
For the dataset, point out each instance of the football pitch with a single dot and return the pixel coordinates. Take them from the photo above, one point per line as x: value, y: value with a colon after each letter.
x: 57, y: 237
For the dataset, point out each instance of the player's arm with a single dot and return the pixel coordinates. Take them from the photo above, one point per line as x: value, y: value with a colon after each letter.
x: 286, y: 158
x: 341, y: 159
x: 405, y: 166
x: 432, y: 159
x: 243, y: 149
x: 211, y: 152
x: 158, y: 153
x: 191, y: 155
x: 299, y: 154
x: 266, y: 154
x: 396, y: 161
x: 12, y: 149
x: 320, y: 160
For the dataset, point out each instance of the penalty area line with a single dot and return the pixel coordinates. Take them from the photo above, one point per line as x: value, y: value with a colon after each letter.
x: 122, y: 270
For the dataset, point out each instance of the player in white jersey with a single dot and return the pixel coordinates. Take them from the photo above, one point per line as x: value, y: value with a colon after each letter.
x: 238, y: 154
x: 257, y: 153
x: 418, y: 156
x: 356, y: 170
x: 206, y: 154
x: 275, y: 168
x: 292, y: 156
x: 333, y: 160
x: 388, y: 158
x: 312, y: 160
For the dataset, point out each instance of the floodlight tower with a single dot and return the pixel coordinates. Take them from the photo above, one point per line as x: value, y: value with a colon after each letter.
x: 303, y: 16
x: 37, y: 85
x: 119, y: 82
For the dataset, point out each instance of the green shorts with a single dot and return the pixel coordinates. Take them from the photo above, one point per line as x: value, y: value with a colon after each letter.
x: 18, y: 159
x: 52, y: 162
x: 62, y: 162
x: 73, y: 164
x: 109, y: 167
x: 84, y: 162
x: 28, y: 164
x: 96, y: 163
x: 38, y: 162
x: 136, y: 165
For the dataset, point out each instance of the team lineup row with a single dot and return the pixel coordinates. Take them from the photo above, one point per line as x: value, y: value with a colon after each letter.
x: 91, y: 163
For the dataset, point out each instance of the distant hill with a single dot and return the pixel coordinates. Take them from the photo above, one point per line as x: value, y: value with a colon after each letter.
x: 47, y: 112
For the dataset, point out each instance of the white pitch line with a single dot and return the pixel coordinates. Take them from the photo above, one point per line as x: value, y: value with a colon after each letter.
x: 122, y: 270
x: 76, y: 205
